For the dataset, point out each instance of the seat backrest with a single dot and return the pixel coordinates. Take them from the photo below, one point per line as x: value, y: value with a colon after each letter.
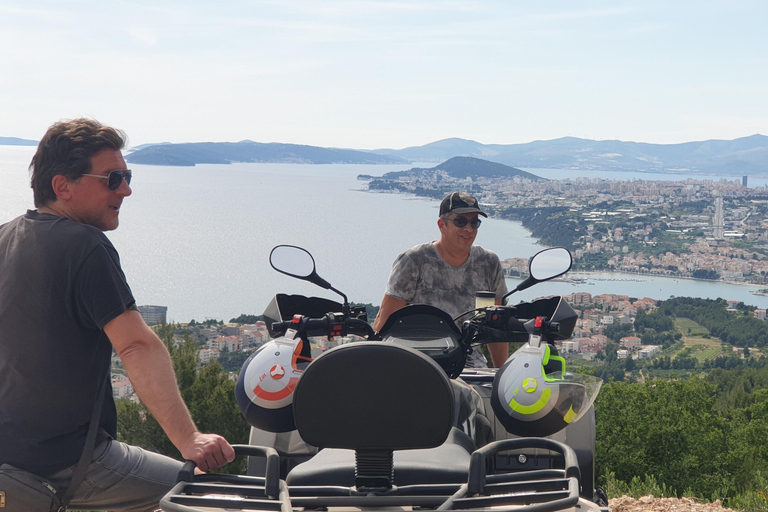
x: 373, y: 395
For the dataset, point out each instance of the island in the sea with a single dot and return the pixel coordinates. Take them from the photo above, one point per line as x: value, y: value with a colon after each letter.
x: 190, y: 154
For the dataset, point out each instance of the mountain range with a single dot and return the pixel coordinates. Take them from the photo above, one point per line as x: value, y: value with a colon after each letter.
x: 747, y: 155
x: 742, y: 156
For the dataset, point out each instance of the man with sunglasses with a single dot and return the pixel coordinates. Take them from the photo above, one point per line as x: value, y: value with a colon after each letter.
x: 64, y: 305
x: 446, y: 273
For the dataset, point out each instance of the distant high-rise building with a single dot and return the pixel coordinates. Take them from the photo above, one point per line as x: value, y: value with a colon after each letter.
x: 153, y: 315
x: 744, y: 181
x: 718, y: 222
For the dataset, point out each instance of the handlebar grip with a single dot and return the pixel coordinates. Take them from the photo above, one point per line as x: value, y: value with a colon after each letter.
x: 313, y: 326
x: 515, y: 325
x: 317, y: 326
x: 187, y: 473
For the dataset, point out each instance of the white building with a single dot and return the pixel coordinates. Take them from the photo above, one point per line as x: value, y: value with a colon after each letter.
x: 153, y: 315
x: 207, y: 354
x: 648, y: 351
x: 121, y: 387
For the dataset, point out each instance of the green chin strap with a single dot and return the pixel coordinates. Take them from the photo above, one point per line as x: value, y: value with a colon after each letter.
x: 534, y: 407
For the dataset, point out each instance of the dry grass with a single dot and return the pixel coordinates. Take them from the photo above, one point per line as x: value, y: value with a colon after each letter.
x: 696, y: 338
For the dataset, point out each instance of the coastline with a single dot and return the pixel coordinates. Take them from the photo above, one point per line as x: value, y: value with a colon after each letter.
x: 648, y: 274
x: 590, y: 272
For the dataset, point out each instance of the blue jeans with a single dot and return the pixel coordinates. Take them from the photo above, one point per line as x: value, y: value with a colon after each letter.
x: 122, y: 477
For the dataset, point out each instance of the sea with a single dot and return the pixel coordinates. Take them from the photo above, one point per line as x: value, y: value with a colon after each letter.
x: 197, y: 239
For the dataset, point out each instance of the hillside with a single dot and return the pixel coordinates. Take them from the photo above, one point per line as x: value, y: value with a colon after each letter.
x: 461, y: 167
x: 458, y: 167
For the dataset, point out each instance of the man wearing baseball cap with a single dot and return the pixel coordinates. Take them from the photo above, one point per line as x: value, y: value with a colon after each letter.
x: 446, y: 273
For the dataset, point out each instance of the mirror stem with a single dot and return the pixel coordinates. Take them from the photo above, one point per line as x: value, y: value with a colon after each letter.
x: 346, y: 303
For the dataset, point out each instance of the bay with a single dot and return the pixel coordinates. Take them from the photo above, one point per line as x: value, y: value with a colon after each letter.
x: 197, y: 239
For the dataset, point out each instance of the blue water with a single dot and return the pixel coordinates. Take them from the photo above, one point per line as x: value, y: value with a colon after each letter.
x: 198, y: 239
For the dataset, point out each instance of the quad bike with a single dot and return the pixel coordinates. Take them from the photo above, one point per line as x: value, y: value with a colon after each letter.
x: 390, y: 420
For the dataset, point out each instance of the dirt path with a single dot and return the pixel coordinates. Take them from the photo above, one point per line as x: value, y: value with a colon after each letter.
x: 651, y: 504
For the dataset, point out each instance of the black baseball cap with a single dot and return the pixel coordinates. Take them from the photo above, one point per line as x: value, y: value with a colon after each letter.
x: 460, y: 202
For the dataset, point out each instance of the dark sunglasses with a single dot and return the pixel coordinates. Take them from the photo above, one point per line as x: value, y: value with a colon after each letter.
x: 114, y: 178
x: 461, y: 222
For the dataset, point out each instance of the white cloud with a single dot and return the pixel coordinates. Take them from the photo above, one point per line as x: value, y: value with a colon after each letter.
x: 143, y: 35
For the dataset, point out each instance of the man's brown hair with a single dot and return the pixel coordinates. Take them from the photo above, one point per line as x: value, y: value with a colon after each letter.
x: 66, y: 149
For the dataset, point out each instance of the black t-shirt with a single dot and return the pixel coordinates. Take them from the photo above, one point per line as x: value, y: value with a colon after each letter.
x: 60, y: 284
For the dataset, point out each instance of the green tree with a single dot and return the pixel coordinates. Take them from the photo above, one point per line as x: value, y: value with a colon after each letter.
x: 246, y: 319
x: 667, y: 429
x: 212, y: 404
x: 209, y: 395
x: 749, y: 450
x: 617, y: 331
x: 232, y: 361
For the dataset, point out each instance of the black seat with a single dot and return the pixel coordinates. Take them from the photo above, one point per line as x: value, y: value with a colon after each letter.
x: 361, y: 402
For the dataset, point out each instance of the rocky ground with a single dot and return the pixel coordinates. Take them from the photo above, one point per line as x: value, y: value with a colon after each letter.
x: 651, y: 504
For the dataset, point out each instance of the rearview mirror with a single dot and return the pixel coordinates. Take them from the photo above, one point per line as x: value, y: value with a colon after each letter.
x: 550, y: 263
x: 546, y: 265
x: 292, y: 261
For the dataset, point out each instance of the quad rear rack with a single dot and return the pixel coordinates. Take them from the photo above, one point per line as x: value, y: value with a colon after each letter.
x: 547, y: 490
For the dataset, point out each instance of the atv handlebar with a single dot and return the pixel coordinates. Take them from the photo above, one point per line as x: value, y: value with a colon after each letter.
x: 508, y: 323
x: 331, y: 324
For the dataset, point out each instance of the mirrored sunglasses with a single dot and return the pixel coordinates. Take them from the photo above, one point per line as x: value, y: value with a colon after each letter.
x: 114, y: 178
x: 461, y: 222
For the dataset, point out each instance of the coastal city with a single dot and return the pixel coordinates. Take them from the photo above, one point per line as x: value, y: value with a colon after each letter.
x: 704, y: 229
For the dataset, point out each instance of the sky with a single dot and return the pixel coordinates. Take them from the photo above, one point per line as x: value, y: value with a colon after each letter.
x: 371, y: 74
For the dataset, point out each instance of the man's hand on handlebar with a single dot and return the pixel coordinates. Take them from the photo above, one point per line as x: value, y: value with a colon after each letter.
x: 208, y: 451
x: 492, y: 335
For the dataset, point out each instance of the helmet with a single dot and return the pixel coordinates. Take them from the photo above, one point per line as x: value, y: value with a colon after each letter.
x: 264, y: 389
x: 530, y: 402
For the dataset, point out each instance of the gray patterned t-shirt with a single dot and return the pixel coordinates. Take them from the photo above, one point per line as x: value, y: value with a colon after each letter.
x: 421, y: 276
